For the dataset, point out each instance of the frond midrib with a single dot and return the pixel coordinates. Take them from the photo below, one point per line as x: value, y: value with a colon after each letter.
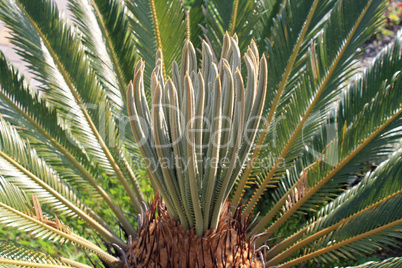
x: 157, y: 33
x: 319, y: 252
x: 295, y: 52
x: 109, y: 46
x: 73, y: 160
x: 77, y: 98
x: 73, y: 238
x: 299, y: 127
x: 106, y: 232
x: 234, y: 17
x: 275, y: 257
x: 32, y: 264
x: 328, y: 177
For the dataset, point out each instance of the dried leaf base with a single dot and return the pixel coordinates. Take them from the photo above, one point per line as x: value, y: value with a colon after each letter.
x: 161, y: 242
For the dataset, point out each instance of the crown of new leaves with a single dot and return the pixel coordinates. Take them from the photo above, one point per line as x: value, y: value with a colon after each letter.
x: 200, y: 129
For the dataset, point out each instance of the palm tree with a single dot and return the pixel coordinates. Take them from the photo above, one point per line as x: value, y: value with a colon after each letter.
x: 232, y: 154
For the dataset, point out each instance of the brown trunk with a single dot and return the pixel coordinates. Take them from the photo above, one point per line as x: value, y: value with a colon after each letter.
x: 161, y: 242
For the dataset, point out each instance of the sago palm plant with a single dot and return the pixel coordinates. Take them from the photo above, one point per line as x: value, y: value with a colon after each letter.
x: 241, y: 115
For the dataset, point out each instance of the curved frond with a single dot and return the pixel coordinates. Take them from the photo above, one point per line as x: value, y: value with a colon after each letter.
x: 270, y: 10
x: 360, y: 242
x: 315, y: 91
x: 158, y: 24
x: 377, y: 191
x: 16, y: 255
x: 69, y: 82
x: 388, y: 263
x: 6, y: 263
x: 379, y: 186
x: 113, y: 18
x: 107, y: 36
x: 110, y: 42
x: 45, y: 69
x: 12, y: 251
x: 18, y: 199
x: 195, y: 20
x: 362, y: 93
x: 45, y: 229
x: 21, y: 106
x: 367, y: 137
x: 233, y: 16
x: 96, y: 38
x: 286, y: 50
x: 21, y: 166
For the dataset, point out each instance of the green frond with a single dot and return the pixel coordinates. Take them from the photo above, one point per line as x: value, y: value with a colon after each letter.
x: 369, y: 135
x: 195, y: 22
x: 13, y: 197
x: 42, y: 228
x: 372, y: 242
x: 362, y: 235
x: 388, y: 263
x: 358, y: 245
x: 84, y: 109
x: 14, y: 148
x: 21, y: 106
x: 233, y: 16
x: 379, y: 87
x: 112, y: 50
x: 370, y: 88
x: 379, y: 190
x: 158, y: 24
x: 12, y: 251
x: 21, y: 166
x: 45, y: 69
x: 377, y: 186
x: 315, y: 91
x: 16, y: 255
x: 6, y: 263
x: 17, y: 199
x: 286, y: 52
x: 100, y: 48
x: 270, y: 9
x: 115, y: 18
x: 293, y: 29
x: 245, y: 21
x: 110, y: 43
